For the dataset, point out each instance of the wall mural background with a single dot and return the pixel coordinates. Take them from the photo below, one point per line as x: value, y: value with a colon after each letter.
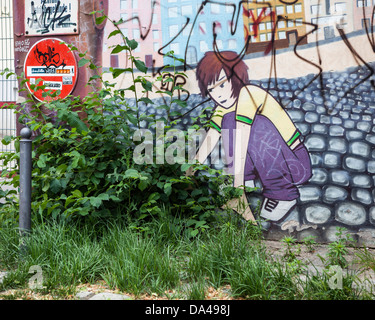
x: 313, y: 58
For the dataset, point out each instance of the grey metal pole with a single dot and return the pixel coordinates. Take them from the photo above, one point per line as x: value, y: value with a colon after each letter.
x: 25, y: 180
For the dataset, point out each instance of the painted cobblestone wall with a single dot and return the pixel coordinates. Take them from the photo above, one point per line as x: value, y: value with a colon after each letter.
x: 338, y: 131
x: 321, y: 77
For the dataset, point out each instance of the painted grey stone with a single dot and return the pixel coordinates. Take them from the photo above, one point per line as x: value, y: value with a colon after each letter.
x: 143, y: 124
x: 266, y: 85
x: 316, y: 159
x: 350, y: 213
x: 362, y: 181
x: 319, y: 176
x: 317, y: 214
x: 311, y: 117
x: 315, y: 143
x: 321, y: 109
x: 364, y: 126
x: 309, y: 193
x: 362, y: 88
x: 336, y: 131
x: 349, y: 124
x: 325, y: 119
x: 362, y: 195
x: 355, y: 164
x: 370, y: 138
x: 333, y: 98
x: 355, y: 117
x: 336, y: 120
x: 366, y: 117
x: 354, y: 135
x: 332, y: 160
x: 297, y: 103
x: 254, y: 201
x: 151, y: 110
x: 340, y: 177
x: 371, y: 166
x: 372, y: 215
x: 308, y: 97
x: 334, y: 193
x: 301, y: 85
x: 289, y: 94
x: 296, y: 115
x: 344, y: 114
x: 319, y: 128
x: 185, y: 121
x: 318, y: 100
x: 304, y: 128
x: 337, y: 145
x: 359, y: 148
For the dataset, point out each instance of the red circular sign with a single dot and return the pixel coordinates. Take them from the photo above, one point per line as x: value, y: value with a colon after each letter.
x: 51, y: 61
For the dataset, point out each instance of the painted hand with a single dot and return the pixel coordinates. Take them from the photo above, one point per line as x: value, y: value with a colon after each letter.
x: 190, y: 172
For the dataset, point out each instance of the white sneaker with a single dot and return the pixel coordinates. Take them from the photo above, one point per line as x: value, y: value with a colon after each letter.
x: 274, y: 210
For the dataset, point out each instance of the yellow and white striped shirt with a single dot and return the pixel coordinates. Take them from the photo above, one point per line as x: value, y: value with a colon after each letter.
x: 254, y: 100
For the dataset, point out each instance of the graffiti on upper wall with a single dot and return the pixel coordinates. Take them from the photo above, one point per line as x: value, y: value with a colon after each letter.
x: 46, y: 17
x: 301, y: 131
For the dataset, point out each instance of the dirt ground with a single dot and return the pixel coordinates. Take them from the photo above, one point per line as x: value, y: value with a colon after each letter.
x: 312, y: 257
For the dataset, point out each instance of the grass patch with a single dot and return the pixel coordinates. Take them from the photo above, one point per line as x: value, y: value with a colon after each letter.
x: 159, y: 258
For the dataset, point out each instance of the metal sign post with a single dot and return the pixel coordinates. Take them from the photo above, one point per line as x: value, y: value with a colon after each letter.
x: 25, y: 181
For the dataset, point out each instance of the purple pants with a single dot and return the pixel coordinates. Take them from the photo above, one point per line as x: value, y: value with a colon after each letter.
x: 269, y: 158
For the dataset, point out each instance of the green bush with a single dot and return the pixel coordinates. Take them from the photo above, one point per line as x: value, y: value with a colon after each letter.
x: 83, y: 164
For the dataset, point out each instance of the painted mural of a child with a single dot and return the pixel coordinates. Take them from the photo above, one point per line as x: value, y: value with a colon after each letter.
x: 259, y: 139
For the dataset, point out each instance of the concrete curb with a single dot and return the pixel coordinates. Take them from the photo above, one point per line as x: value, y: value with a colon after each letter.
x: 88, y: 295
